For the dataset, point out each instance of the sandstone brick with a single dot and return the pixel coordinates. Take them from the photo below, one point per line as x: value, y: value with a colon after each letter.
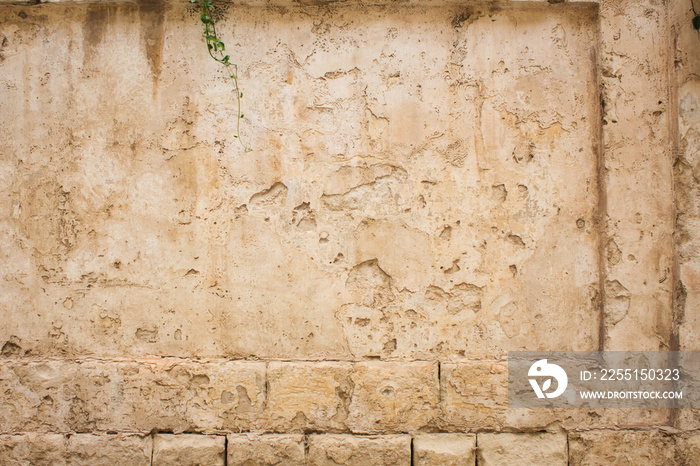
x: 688, y: 448
x: 76, y: 450
x: 351, y: 450
x: 393, y: 396
x: 265, y: 450
x: 687, y: 419
x: 140, y: 396
x: 621, y: 448
x: 189, y: 450
x: 444, y: 450
x: 505, y: 449
x: 308, y: 395
x: 475, y: 394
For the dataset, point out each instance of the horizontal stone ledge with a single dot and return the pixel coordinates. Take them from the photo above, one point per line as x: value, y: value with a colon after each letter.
x: 220, y: 396
x: 297, y: 3
x: 176, y: 395
x: 157, y: 359
x: 444, y: 449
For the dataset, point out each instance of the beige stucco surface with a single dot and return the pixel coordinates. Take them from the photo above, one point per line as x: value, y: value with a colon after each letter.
x: 413, y: 191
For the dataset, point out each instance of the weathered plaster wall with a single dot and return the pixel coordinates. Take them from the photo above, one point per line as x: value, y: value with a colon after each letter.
x: 414, y: 192
x: 432, y: 185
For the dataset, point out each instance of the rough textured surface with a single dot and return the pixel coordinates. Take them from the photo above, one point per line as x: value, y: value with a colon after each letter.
x: 405, y: 198
x: 433, y: 183
x: 688, y: 449
x: 391, y: 397
x: 622, y: 448
x: 444, y: 450
x: 687, y: 191
x: 637, y: 166
x: 308, y: 395
x: 509, y: 449
x: 76, y: 450
x: 189, y: 450
x: 142, y: 396
x: 474, y: 395
x: 349, y: 450
x: 687, y: 181
x: 265, y: 450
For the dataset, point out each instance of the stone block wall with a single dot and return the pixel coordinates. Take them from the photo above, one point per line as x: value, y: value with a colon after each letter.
x: 433, y: 183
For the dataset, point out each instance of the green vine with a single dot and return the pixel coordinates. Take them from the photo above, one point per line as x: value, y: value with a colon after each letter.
x: 696, y: 18
x: 217, y: 51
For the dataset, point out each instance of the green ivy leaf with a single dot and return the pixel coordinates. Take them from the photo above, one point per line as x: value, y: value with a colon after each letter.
x: 216, y: 49
x: 696, y: 22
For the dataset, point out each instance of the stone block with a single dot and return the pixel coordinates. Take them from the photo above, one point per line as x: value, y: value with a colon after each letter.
x: 687, y: 419
x: 141, y: 396
x: 308, y: 395
x: 393, y: 396
x: 189, y: 450
x: 265, y: 450
x: 506, y: 449
x: 688, y: 448
x: 474, y: 394
x: 444, y: 450
x: 351, y: 450
x: 75, y: 450
x: 623, y: 448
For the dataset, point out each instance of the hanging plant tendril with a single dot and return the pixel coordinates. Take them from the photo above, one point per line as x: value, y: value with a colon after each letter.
x: 217, y: 50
